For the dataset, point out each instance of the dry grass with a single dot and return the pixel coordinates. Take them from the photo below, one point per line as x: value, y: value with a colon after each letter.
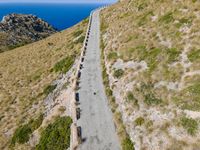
x: 3, y: 39
x: 24, y: 74
x: 164, y: 35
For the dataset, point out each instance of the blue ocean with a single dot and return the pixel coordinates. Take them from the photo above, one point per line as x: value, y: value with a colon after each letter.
x: 60, y: 16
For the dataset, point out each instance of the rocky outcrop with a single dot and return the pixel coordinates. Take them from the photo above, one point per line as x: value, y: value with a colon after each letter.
x: 19, y: 29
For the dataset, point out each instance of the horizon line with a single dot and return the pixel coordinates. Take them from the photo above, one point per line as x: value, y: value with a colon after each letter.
x: 55, y: 2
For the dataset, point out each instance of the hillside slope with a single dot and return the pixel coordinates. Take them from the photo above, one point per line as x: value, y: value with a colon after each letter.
x: 153, y: 60
x: 26, y: 78
x: 19, y: 29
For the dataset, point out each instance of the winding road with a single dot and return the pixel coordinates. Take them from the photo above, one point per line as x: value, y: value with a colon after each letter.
x: 97, y: 126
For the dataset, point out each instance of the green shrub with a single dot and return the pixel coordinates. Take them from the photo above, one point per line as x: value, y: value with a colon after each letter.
x: 62, y: 109
x: 142, y: 6
x: 194, y: 55
x: 141, y: 52
x: 143, y: 18
x: 130, y: 96
x: 104, y: 26
x: 195, y: 89
x: 190, y: 125
x: 185, y: 21
x: 80, y: 39
x: 22, y: 134
x: 127, y: 144
x: 151, y: 58
x: 193, y: 95
x: 150, y: 99
x: 56, y: 136
x: 34, y: 124
x: 173, y: 54
x: 85, y: 20
x: 139, y: 121
x: 70, y: 45
x: 112, y: 55
x: 118, y: 73
x: 167, y: 18
x: 49, y: 89
x: 77, y: 33
x: 64, y: 65
x: 109, y: 92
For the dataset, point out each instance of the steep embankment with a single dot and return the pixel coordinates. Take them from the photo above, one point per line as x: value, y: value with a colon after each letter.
x: 26, y: 76
x: 153, y: 60
x: 19, y: 29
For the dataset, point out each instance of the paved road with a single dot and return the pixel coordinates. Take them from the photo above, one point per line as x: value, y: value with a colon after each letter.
x: 98, y: 129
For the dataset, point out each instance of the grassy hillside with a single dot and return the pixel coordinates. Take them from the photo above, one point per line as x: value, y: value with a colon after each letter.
x: 26, y: 74
x: 153, y: 60
x: 3, y: 39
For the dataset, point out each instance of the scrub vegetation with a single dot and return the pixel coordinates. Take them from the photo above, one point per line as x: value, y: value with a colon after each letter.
x: 56, y: 136
x: 190, y: 125
x: 22, y: 133
x: 152, y: 60
x: 126, y: 143
x: 64, y: 65
x: 26, y: 78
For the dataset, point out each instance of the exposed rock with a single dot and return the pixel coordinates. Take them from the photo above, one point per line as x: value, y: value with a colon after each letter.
x: 20, y: 29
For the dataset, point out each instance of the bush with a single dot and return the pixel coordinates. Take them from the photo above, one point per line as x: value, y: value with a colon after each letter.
x: 49, y: 89
x: 144, y: 18
x: 167, y: 18
x: 185, y: 21
x: 36, y: 123
x: 62, y: 108
x: 173, y: 54
x: 21, y: 134
x: 194, y: 55
x: 192, y: 93
x: 190, y: 125
x: 109, y: 92
x: 56, y: 136
x: 118, y: 73
x: 104, y: 26
x: 112, y: 55
x: 139, y: 121
x: 151, y: 58
x: 150, y: 99
x: 77, y: 33
x: 130, y: 96
x: 80, y: 39
x: 127, y: 144
x: 85, y: 21
x: 64, y: 65
x: 194, y: 89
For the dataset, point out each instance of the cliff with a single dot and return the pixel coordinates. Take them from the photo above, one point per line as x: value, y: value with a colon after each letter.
x: 19, y: 29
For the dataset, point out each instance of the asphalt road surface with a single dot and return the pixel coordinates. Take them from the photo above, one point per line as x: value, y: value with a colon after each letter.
x: 98, y: 131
